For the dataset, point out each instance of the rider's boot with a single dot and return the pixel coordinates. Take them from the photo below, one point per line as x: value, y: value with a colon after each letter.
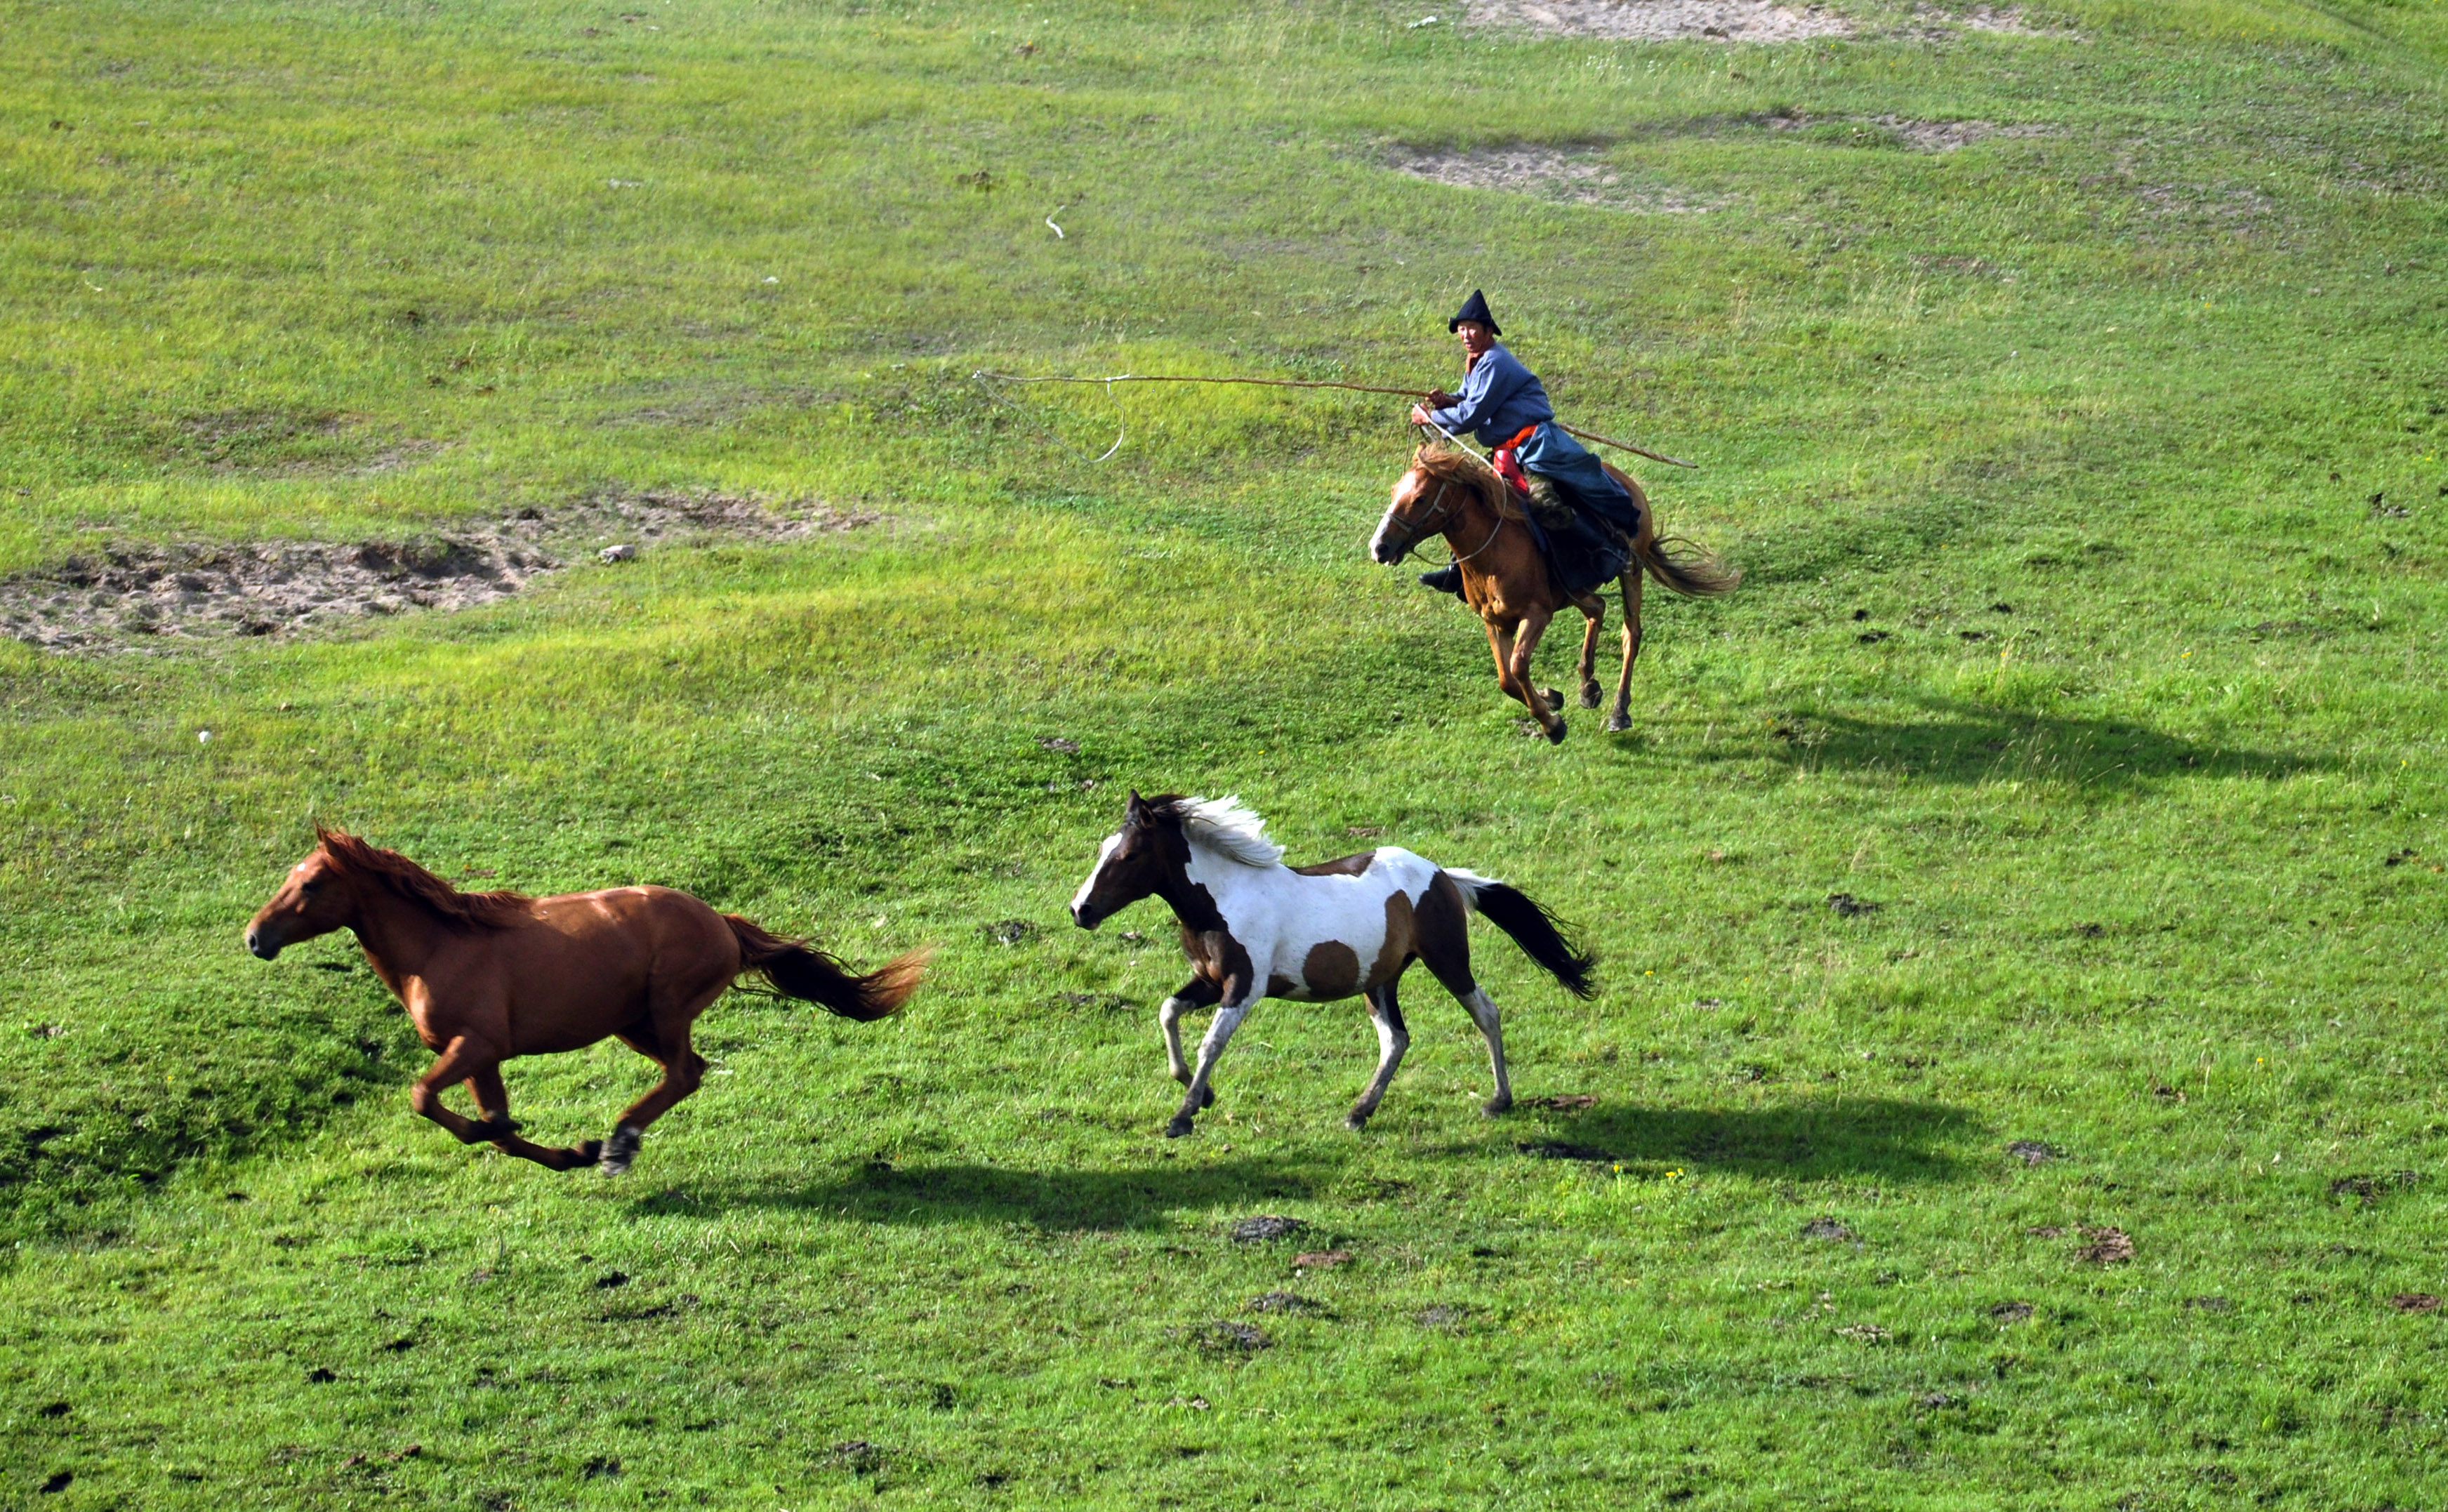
x: 1446, y: 578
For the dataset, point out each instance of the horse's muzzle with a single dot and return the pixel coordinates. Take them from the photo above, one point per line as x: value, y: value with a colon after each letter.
x: 260, y: 946
x: 1086, y: 917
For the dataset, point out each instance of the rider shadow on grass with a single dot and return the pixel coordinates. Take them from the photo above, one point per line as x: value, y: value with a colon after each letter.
x: 1957, y: 741
x: 1140, y: 1196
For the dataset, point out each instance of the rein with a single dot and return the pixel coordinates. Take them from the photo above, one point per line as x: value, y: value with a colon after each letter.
x: 1437, y: 510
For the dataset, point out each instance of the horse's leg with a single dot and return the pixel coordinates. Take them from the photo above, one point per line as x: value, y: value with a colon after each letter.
x: 1443, y: 935
x: 1595, y: 609
x: 1491, y: 1028
x: 1393, y: 1040
x: 1526, y: 645
x: 1195, y: 993
x: 665, y: 1040
x: 463, y: 1058
x: 1512, y: 676
x: 1237, y: 996
x: 1499, y: 642
x: 493, y: 1101
x: 1621, y: 716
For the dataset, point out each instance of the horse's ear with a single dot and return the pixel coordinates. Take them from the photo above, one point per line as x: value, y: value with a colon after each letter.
x: 1136, y: 808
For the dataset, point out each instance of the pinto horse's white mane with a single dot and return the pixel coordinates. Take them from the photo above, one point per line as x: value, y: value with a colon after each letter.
x: 1231, y: 828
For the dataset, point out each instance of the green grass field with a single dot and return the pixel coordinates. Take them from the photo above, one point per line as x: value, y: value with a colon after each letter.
x: 2089, y: 482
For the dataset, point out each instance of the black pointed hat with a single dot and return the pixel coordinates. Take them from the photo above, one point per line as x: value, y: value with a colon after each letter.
x: 1474, y: 308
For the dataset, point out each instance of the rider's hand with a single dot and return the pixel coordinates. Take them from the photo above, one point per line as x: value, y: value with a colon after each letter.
x: 1441, y: 399
x: 1420, y: 415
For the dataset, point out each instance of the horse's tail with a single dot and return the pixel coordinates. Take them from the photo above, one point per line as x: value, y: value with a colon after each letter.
x: 1685, y: 566
x: 798, y: 969
x: 1539, y: 933
x: 1693, y: 570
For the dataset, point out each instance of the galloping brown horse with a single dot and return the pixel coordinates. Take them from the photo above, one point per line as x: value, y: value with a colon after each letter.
x: 487, y: 976
x: 1506, y: 579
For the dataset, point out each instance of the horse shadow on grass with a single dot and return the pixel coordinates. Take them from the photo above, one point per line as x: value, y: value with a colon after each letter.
x: 1877, y: 1140
x: 1883, y: 1139
x: 1135, y: 1197
x: 1954, y: 740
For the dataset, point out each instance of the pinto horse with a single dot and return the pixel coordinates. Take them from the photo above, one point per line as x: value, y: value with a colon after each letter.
x: 1505, y: 577
x: 487, y: 976
x: 1254, y: 928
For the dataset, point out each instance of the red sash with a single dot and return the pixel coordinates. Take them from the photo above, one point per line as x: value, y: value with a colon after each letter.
x: 1508, y: 469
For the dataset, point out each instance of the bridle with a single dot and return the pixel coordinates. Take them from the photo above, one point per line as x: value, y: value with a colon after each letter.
x: 1423, y: 527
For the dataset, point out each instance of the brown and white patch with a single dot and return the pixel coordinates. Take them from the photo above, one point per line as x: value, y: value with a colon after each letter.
x: 1331, y: 971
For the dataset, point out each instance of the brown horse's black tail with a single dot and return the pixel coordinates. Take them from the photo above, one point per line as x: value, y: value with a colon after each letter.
x: 1687, y: 567
x: 797, y: 969
x: 1539, y: 933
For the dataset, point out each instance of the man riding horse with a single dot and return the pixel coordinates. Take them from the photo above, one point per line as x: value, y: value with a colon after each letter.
x: 1504, y: 405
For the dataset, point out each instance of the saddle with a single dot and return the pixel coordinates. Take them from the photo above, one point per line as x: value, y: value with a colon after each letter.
x: 1580, y: 550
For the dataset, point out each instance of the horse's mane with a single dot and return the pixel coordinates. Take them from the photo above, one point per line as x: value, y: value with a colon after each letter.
x: 1225, y: 825
x: 1470, y: 469
x: 492, y: 910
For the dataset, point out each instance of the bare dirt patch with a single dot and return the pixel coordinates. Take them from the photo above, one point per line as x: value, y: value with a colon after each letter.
x: 1224, y: 1337
x: 1566, y: 176
x: 2108, y: 1246
x: 1560, y: 1150
x: 2008, y: 22
x: 1732, y: 20
x: 1662, y: 20
x: 288, y: 443
x: 1902, y: 131
x: 1266, y: 1228
x: 135, y: 597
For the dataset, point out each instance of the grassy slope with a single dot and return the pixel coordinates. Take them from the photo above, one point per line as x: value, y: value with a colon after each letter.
x: 2133, y: 840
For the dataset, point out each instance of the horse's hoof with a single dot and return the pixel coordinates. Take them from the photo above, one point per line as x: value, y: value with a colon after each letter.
x: 1617, y: 723
x: 1555, y: 733
x: 1208, y: 1100
x: 621, y: 1150
x: 1179, y: 1127
x: 1494, y: 1107
x: 1555, y: 698
x: 587, y: 1154
x: 1355, y: 1120
x: 1590, y: 695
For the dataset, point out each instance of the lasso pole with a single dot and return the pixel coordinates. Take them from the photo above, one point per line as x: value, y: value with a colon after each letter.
x: 1322, y: 383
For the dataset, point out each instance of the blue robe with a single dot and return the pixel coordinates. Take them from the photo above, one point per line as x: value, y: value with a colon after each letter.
x: 1498, y: 399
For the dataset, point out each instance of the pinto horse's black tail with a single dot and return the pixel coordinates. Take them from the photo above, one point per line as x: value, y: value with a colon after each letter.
x: 1539, y: 933
x: 797, y: 969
